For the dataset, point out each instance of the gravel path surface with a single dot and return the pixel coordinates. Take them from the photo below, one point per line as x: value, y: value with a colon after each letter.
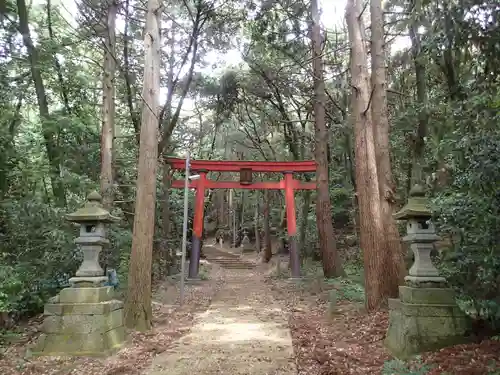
x: 244, y: 332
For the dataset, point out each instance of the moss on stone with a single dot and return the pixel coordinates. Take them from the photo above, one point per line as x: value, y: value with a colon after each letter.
x: 82, y: 329
x: 86, y: 295
x: 430, y: 296
x: 86, y: 345
x: 417, y: 328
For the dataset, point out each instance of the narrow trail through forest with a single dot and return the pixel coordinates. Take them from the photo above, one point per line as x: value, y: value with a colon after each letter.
x: 246, y: 318
x: 244, y: 331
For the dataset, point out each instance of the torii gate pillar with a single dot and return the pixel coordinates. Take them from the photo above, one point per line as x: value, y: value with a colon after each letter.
x: 291, y: 225
x: 288, y: 184
x: 199, y: 210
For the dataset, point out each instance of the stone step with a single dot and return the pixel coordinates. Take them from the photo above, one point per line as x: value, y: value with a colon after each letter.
x: 222, y: 254
x: 226, y: 259
x: 233, y: 263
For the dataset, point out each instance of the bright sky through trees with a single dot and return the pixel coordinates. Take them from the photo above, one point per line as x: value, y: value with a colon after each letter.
x: 332, y: 17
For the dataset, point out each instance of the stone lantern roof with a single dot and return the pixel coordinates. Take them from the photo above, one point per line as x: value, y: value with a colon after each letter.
x: 417, y: 206
x: 92, y: 211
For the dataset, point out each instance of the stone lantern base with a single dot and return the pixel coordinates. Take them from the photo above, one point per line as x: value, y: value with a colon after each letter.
x: 424, y: 319
x: 248, y: 248
x: 246, y: 245
x: 83, y: 322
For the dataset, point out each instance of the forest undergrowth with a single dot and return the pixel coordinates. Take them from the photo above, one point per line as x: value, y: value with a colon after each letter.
x: 170, y: 321
x: 333, y: 335
x: 331, y: 332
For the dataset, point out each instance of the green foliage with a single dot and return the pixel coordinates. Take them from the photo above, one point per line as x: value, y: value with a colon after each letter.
x: 121, y: 241
x: 493, y: 368
x: 398, y: 367
x: 11, y: 287
x: 260, y: 111
x: 204, y: 273
x: 355, y: 272
x: 348, y: 289
x: 37, y: 255
x: 469, y: 213
x: 341, y: 198
x: 8, y: 336
x: 311, y: 268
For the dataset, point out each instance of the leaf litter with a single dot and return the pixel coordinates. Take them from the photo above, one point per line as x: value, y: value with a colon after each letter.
x: 170, y: 322
x: 348, y: 341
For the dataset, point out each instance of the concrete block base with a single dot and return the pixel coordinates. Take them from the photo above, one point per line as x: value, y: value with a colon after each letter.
x: 85, y: 322
x: 424, y: 319
x: 80, y: 345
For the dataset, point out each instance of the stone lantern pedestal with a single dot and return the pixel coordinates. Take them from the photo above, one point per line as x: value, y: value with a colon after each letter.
x: 85, y: 319
x: 425, y: 316
x: 246, y: 245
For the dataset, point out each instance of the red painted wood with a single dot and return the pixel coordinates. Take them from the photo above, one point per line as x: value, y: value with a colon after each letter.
x: 291, y: 220
x: 236, y: 165
x: 199, y: 207
x: 278, y: 185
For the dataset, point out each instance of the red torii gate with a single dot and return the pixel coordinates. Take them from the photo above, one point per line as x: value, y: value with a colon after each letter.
x: 245, y: 168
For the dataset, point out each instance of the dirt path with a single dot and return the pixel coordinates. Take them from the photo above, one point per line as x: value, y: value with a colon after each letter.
x: 244, y: 332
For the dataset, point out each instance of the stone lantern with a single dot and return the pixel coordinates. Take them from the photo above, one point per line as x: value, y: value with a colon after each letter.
x: 245, y: 242
x: 85, y: 319
x: 425, y: 316
x: 421, y: 235
x: 91, y: 217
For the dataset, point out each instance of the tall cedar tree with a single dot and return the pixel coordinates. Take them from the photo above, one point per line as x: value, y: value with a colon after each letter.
x: 332, y: 266
x: 267, y: 254
x: 138, y: 311
x: 49, y: 131
x: 393, y: 252
x: 108, y: 107
x: 370, y: 212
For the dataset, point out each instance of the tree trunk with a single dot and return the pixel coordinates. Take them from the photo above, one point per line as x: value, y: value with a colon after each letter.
x: 57, y: 64
x: 198, y: 22
x: 232, y: 209
x: 256, y: 223
x: 332, y: 266
x: 108, y: 121
x: 306, y: 205
x: 420, y: 79
x: 370, y: 214
x: 268, y: 251
x: 170, y: 254
x: 241, y: 210
x: 394, y: 264
x: 138, y: 311
x: 128, y: 76
x: 7, y: 148
x: 108, y: 109
x: 220, y: 210
x: 48, y: 128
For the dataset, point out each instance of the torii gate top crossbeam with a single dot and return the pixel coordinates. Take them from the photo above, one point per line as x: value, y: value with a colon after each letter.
x: 237, y: 165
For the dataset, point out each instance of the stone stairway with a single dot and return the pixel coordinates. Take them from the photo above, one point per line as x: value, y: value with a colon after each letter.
x: 226, y: 259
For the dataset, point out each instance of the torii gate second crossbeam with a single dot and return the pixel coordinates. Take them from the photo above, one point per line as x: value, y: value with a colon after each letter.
x: 246, y: 169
